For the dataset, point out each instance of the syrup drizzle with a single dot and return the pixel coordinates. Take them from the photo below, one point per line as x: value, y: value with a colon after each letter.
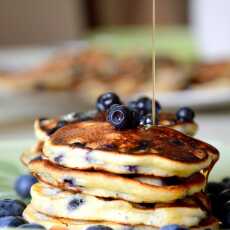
x: 154, y: 68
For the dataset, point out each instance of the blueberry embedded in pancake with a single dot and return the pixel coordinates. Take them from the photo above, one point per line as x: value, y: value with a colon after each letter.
x: 78, y: 206
x: 158, y: 151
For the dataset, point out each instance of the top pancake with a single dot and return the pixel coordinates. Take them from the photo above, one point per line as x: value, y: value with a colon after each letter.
x: 160, y: 141
x: 156, y: 151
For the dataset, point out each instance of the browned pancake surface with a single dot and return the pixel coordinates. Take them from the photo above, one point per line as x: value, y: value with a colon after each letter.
x: 160, y: 141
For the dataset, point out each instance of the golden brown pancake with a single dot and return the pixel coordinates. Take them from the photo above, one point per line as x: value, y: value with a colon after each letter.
x: 158, y: 151
x: 211, y: 75
x: 62, y: 204
x: 135, y: 189
x: 54, y: 223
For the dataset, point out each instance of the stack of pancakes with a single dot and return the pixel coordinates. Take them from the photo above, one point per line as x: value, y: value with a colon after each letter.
x: 92, y: 174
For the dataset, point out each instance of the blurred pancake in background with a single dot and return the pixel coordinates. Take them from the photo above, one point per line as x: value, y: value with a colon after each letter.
x: 211, y: 75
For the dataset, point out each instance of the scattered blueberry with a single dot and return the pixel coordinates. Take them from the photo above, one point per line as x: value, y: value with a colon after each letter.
x: 133, y: 105
x: 219, y: 195
x: 214, y: 204
x: 11, y: 221
x: 75, y: 203
x: 185, y: 114
x: 225, y: 219
x: 214, y: 188
x: 121, y: 117
x: 106, y: 100
x: 226, y: 182
x: 226, y: 207
x: 99, y: 227
x: 23, y: 185
x: 224, y: 196
x: 173, y: 227
x: 31, y: 226
x: 11, y: 207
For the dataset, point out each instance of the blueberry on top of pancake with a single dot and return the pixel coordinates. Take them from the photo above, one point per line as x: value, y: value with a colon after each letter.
x: 46, y: 127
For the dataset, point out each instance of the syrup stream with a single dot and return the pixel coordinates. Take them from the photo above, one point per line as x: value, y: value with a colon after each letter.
x: 153, y: 68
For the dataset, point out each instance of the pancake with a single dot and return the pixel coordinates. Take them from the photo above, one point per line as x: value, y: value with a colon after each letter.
x: 34, y: 153
x: 44, y: 127
x: 77, y: 206
x: 138, y: 189
x: 158, y: 151
x: 54, y: 223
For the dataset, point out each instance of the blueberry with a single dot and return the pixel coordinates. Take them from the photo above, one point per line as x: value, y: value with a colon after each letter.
x: 158, y: 107
x: 146, y: 120
x: 11, y: 221
x: 226, y: 182
x: 214, y: 204
x: 173, y: 227
x: 61, y: 124
x: 224, y: 196
x: 11, y: 207
x: 75, y: 203
x: 23, y: 185
x: 99, y: 227
x: 135, y: 118
x: 225, y: 219
x: 121, y: 117
x: 185, y: 114
x: 214, y: 188
x: 225, y: 207
x: 143, y: 105
x: 31, y: 226
x: 133, y: 105
x: 106, y: 100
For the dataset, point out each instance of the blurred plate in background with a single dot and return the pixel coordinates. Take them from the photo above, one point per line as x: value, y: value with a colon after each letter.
x: 174, y: 42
